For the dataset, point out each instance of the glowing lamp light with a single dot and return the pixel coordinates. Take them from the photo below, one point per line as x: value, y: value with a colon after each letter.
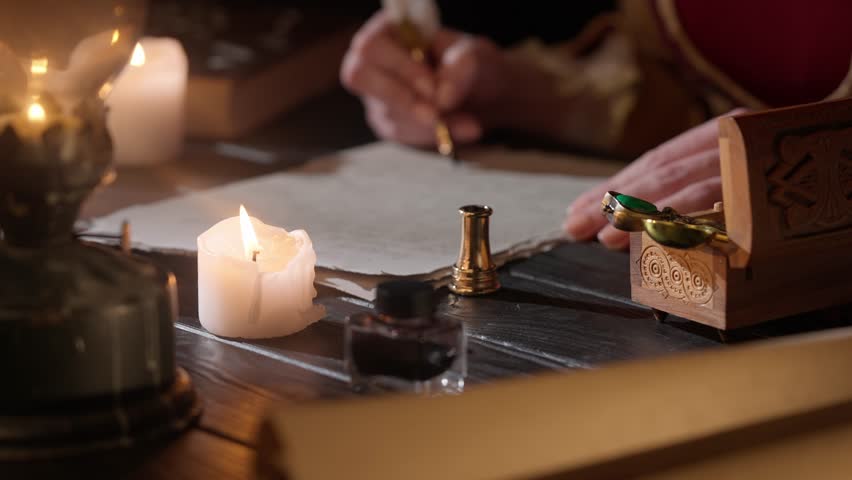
x: 38, y: 66
x: 36, y: 113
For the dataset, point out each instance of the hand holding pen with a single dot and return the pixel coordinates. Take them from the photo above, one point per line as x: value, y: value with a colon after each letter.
x: 409, y: 99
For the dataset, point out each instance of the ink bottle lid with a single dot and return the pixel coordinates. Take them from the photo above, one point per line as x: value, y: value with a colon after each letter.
x: 405, y: 301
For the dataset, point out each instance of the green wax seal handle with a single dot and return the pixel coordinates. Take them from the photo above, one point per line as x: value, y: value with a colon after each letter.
x: 637, y: 204
x: 666, y: 227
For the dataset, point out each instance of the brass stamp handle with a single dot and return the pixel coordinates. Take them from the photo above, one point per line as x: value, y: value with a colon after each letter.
x: 475, y: 272
x: 667, y: 227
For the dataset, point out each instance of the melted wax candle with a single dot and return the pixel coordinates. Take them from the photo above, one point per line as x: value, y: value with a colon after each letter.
x: 255, y: 280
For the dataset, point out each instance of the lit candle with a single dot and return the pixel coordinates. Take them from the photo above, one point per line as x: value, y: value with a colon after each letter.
x: 146, y: 117
x: 255, y: 280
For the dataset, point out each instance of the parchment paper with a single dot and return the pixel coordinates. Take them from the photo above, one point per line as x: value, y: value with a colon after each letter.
x: 382, y: 209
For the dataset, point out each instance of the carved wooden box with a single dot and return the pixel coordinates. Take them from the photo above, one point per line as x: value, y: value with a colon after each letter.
x: 787, y: 191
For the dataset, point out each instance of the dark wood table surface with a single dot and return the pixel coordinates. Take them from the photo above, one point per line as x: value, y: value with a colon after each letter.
x: 566, y: 309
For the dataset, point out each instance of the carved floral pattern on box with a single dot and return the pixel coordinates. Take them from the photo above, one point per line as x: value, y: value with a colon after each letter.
x: 811, y: 181
x: 680, y: 276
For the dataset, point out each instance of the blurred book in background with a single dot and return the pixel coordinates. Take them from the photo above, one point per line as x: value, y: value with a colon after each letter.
x: 250, y: 63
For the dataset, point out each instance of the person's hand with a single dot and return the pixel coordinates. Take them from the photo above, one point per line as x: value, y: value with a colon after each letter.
x: 404, y: 98
x: 682, y: 173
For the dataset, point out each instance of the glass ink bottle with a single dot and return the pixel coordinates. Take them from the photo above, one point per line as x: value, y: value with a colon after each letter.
x: 402, y: 346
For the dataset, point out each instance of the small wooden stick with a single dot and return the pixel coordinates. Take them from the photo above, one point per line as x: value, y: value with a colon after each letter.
x: 125, y: 236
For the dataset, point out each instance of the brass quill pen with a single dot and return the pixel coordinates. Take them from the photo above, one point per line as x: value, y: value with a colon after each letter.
x: 416, y: 43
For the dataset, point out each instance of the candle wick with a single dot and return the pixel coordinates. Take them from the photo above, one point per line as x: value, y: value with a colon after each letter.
x: 254, y: 255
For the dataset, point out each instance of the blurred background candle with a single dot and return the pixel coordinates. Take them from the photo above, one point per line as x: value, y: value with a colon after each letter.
x: 146, y: 102
x: 255, y: 280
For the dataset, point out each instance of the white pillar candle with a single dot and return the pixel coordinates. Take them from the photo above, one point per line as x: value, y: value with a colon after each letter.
x: 147, y: 103
x: 255, y: 280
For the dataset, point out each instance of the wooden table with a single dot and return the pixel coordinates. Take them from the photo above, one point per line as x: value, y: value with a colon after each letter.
x: 566, y: 309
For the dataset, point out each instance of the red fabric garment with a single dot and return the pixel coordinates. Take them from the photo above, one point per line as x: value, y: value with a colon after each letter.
x: 781, y: 51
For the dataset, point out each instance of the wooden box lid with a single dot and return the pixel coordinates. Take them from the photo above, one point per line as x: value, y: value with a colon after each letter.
x: 787, y: 181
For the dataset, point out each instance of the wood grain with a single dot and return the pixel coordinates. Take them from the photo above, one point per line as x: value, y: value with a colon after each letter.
x: 586, y: 268
x: 239, y: 379
x: 319, y: 348
x: 198, y: 455
x: 237, y: 385
x: 569, y: 328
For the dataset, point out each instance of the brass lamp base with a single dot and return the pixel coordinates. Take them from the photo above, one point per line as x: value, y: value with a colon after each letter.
x: 100, y: 424
x: 86, y: 352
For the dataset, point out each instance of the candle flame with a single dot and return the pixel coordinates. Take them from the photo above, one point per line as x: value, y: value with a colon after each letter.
x: 251, y: 246
x: 38, y: 66
x: 36, y: 113
x: 138, y: 58
x: 115, y: 36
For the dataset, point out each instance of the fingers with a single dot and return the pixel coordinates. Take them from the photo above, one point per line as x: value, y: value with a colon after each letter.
x: 403, y: 126
x: 409, y: 129
x: 659, y: 183
x: 613, y: 238
x: 694, y: 197
x: 583, y: 219
x: 464, y: 127
x: 697, y: 196
x: 654, y: 185
x: 443, y: 40
x: 655, y: 175
x: 376, y: 65
x: 400, y: 93
x: 385, y: 53
x: 379, y: 85
x: 388, y: 80
x: 471, y: 70
x: 701, y: 138
x: 457, y: 73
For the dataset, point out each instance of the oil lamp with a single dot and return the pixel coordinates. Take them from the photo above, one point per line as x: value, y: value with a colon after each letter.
x: 86, y: 332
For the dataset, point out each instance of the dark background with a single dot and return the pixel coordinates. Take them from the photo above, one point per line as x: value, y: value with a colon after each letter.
x: 504, y: 22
